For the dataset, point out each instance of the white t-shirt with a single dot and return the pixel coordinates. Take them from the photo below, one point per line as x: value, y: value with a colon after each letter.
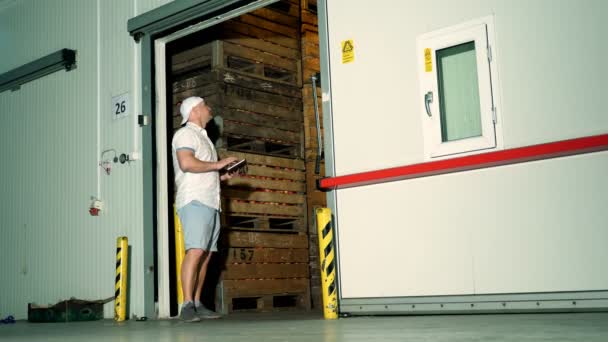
x: 203, y: 187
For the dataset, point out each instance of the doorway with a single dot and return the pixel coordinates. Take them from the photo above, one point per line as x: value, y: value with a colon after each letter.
x: 252, y: 73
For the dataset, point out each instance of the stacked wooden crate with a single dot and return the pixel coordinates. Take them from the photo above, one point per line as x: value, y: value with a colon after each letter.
x: 249, y: 72
x: 315, y: 198
x: 256, y: 110
x: 266, y: 265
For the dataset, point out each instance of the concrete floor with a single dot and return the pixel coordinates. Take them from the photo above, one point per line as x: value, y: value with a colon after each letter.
x: 310, y: 327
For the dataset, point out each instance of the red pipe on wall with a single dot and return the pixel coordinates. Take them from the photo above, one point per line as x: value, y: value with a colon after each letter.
x: 478, y: 161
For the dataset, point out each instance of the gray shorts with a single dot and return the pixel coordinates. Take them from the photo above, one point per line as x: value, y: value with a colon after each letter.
x: 201, y: 226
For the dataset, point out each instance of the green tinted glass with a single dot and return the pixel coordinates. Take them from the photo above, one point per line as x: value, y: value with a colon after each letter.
x: 458, y: 92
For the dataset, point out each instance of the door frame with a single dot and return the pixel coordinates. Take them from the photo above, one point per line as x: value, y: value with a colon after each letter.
x: 153, y: 30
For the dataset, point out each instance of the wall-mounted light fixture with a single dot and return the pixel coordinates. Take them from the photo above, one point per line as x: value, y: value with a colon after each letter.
x: 62, y: 59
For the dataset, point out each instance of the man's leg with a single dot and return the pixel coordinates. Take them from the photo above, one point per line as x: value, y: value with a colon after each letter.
x: 189, y: 269
x: 200, y: 281
x: 214, y: 223
x: 201, y: 310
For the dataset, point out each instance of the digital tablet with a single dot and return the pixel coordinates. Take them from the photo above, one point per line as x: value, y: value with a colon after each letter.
x: 237, y: 166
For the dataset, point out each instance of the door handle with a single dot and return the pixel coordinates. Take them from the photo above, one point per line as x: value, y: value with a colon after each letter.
x: 428, y: 99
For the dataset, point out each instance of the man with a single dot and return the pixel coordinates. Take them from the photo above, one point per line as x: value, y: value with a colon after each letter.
x: 197, y: 201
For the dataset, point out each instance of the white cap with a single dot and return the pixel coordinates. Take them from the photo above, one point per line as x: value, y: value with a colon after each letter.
x: 187, y: 106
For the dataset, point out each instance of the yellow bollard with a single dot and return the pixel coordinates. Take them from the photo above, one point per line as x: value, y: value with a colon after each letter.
x: 328, y: 264
x: 120, y: 294
x: 180, y: 252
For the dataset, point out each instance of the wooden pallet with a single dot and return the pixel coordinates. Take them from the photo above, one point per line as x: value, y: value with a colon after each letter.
x: 281, y: 12
x: 234, y: 255
x: 309, y: 6
x: 263, y: 295
x: 309, y: 18
x: 226, y: 75
x: 266, y: 303
x: 256, y: 110
x: 240, y: 35
x: 263, y: 21
x: 275, y: 167
x: 232, y: 205
x: 269, y: 197
x: 239, y: 239
x: 245, y: 221
x: 310, y: 50
x: 261, y: 34
x: 268, y: 172
x: 243, y: 58
x: 251, y: 114
x: 260, y: 145
x: 265, y: 270
x: 228, y: 89
x: 286, y: 172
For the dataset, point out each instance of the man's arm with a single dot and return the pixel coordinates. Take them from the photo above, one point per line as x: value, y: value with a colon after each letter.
x: 189, y: 163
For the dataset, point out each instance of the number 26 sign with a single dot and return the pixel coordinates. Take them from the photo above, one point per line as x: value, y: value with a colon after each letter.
x: 121, y: 105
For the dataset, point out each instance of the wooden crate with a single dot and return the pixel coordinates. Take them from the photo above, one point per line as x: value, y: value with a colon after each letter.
x: 270, y: 197
x: 309, y: 6
x: 239, y: 34
x: 238, y: 221
x: 250, y: 59
x: 235, y: 255
x: 251, y: 114
x: 281, y: 12
x: 239, y: 239
x: 264, y: 271
x: 263, y: 295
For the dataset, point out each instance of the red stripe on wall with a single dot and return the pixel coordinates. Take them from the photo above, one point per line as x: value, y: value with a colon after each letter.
x: 478, y: 161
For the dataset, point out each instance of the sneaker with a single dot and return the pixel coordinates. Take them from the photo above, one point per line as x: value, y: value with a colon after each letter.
x: 188, y: 313
x: 204, y: 313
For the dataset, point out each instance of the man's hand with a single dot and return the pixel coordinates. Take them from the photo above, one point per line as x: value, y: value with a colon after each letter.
x: 223, y: 162
x: 227, y: 176
x: 228, y: 161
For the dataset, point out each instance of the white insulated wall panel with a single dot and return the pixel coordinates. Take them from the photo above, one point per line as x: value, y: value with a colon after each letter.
x: 53, y: 248
x: 538, y: 227
x: 531, y: 227
x: 551, y: 71
x: 51, y: 132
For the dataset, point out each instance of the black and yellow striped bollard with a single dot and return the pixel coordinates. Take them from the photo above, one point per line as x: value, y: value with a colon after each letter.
x: 328, y: 263
x: 120, y: 294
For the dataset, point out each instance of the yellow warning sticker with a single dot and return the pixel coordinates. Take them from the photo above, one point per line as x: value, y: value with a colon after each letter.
x: 348, y: 51
x: 428, y: 60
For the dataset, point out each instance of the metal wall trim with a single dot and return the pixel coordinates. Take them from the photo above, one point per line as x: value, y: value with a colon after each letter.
x: 147, y: 157
x: 175, y: 13
x: 146, y: 28
x: 328, y: 139
x: 501, y: 303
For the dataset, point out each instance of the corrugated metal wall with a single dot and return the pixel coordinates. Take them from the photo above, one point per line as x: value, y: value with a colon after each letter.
x: 51, y: 132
